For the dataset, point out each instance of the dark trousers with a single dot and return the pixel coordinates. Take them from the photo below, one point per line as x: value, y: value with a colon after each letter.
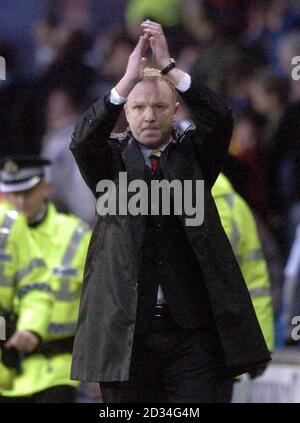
x: 62, y: 394
x: 174, y: 365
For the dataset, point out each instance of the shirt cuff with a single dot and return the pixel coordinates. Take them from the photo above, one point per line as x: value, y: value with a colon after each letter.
x: 184, y: 84
x: 115, y: 98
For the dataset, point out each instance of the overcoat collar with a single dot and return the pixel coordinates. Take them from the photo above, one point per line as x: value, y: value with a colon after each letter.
x: 176, y: 155
x: 134, y: 160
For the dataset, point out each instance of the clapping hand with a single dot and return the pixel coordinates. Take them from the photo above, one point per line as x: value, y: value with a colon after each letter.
x: 158, y: 43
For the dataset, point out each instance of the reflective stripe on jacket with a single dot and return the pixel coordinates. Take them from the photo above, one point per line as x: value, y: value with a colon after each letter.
x: 240, y: 227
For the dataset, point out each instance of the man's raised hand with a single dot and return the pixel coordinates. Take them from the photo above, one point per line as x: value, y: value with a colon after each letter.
x: 153, y: 37
x: 158, y: 43
x: 135, y: 67
x: 160, y: 51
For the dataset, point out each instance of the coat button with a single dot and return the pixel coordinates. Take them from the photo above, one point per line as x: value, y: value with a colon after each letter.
x: 159, y: 262
x: 91, y: 121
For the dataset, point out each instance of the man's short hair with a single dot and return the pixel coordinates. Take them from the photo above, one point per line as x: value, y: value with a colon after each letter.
x: 153, y: 73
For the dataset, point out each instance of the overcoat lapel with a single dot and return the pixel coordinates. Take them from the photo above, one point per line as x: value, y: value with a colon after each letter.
x: 134, y: 161
x: 176, y: 161
x: 176, y: 164
x: 135, y: 168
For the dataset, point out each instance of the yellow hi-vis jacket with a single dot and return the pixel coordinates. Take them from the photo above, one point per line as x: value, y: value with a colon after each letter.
x: 240, y: 227
x: 63, y: 241
x: 24, y: 281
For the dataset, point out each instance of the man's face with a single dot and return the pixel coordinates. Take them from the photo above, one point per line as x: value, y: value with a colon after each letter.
x: 150, y: 110
x: 29, y: 202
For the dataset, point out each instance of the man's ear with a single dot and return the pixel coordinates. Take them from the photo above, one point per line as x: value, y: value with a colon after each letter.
x: 176, y: 109
x: 126, y: 110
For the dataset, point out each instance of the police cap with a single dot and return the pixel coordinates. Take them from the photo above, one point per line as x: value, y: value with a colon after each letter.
x: 20, y: 173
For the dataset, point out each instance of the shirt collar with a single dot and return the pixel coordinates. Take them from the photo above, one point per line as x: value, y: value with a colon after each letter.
x: 40, y: 217
x: 148, y: 151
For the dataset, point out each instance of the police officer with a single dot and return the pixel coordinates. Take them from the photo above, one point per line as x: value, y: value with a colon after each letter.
x: 240, y: 227
x: 63, y: 241
x: 25, y: 294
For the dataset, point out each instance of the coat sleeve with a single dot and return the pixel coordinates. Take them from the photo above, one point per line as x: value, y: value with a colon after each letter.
x: 32, y: 296
x: 90, y: 145
x: 214, y: 123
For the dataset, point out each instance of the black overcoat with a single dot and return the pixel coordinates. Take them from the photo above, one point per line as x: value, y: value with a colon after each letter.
x: 106, y: 323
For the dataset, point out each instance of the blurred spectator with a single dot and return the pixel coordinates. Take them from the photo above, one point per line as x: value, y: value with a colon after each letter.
x: 206, y: 20
x: 49, y: 36
x: 101, y: 15
x: 268, y: 96
x: 285, y: 161
x: 280, y: 143
x: 188, y: 55
x: 169, y: 13
x: 10, y: 100
x: 196, y: 21
x: 225, y: 65
x: 70, y: 192
x: 281, y: 146
x: 245, y: 146
x: 16, y: 20
x: 288, y: 48
x: 68, y: 70
x: 202, y: 19
x: 215, y: 63
x: 268, y: 21
x: 77, y: 14
x: 107, y: 15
